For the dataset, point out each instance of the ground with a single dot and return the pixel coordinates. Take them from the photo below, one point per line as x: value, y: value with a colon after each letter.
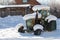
x: 8, y: 30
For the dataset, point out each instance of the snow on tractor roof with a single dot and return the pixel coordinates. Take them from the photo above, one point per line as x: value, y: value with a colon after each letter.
x: 50, y: 18
x: 40, y: 7
x: 31, y: 16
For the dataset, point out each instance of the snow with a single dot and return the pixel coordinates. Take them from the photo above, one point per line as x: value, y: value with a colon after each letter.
x: 2, y: 6
x: 8, y: 30
x: 11, y: 21
x: 21, y: 5
x: 31, y: 16
x: 39, y: 7
x: 50, y: 18
x: 19, y: 25
x: 8, y: 33
x: 37, y: 26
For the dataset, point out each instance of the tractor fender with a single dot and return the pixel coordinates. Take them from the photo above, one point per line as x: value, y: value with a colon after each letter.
x: 51, y: 18
x: 38, y: 26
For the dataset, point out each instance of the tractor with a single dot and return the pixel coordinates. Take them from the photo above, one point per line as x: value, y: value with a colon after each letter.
x: 39, y: 21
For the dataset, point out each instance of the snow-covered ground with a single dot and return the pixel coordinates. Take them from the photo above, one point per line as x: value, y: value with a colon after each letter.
x: 8, y: 30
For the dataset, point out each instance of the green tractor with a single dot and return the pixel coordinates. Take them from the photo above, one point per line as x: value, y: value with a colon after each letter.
x: 40, y: 20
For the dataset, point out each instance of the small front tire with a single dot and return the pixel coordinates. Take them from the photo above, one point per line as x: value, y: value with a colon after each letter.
x: 21, y: 29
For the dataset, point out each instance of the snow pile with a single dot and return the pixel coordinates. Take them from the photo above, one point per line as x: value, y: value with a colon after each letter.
x: 39, y: 7
x: 37, y: 26
x: 9, y: 33
x: 50, y: 18
x: 19, y: 25
x: 31, y: 16
x: 11, y: 21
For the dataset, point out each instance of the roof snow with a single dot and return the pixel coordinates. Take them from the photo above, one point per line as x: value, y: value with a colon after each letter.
x: 22, y: 5
x: 40, y: 7
x: 37, y: 26
x: 31, y: 16
x: 2, y: 6
x: 50, y: 18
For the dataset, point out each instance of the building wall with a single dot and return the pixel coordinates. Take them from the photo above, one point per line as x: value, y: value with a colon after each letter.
x: 18, y: 1
x: 18, y: 11
x: 12, y: 11
x: 32, y: 2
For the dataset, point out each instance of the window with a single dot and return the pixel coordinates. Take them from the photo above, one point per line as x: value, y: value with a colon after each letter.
x: 25, y: 1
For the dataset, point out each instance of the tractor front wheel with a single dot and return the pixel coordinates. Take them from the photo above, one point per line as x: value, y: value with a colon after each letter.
x: 37, y: 32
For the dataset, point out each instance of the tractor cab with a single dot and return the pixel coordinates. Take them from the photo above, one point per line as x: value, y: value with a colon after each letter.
x: 42, y: 9
x: 44, y: 12
x: 37, y: 17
